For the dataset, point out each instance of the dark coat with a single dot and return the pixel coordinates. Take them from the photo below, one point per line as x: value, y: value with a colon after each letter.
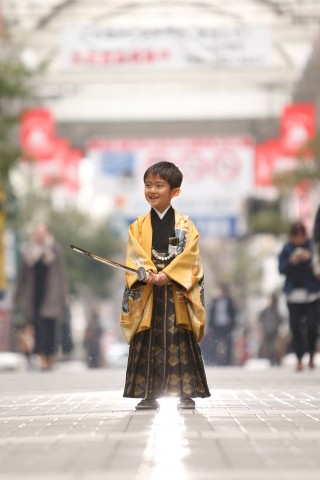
x: 302, y: 271
x: 56, y: 291
x: 231, y: 313
x: 316, y: 244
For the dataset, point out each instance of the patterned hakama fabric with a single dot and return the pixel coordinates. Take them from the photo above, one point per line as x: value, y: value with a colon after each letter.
x: 165, y: 361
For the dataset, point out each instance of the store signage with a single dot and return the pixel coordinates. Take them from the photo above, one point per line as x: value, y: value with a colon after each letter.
x: 102, y: 47
x: 218, y: 175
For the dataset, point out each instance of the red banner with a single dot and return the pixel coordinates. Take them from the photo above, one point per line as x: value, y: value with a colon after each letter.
x: 57, y: 164
x: 63, y: 167
x: 298, y: 125
x: 37, y: 134
x: 71, y: 170
x: 268, y: 155
x: 51, y: 171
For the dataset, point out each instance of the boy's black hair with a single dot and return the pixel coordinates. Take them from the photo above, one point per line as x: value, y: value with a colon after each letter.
x: 167, y: 171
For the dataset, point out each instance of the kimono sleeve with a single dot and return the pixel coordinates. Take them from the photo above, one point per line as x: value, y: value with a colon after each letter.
x: 136, y: 255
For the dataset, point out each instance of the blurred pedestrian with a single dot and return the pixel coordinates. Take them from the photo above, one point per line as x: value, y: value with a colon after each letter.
x: 302, y: 291
x: 41, y: 289
x: 221, y: 323
x: 92, y: 340
x: 316, y: 245
x: 270, y: 321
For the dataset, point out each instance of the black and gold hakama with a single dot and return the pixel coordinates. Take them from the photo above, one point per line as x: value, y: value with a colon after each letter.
x: 165, y: 360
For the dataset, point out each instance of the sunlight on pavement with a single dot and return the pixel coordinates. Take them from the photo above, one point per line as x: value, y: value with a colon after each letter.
x: 166, y: 447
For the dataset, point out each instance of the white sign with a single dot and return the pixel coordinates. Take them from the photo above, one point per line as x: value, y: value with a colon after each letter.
x: 87, y: 47
x: 218, y: 174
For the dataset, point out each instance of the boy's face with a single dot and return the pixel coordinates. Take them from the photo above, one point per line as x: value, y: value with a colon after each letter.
x: 158, y: 192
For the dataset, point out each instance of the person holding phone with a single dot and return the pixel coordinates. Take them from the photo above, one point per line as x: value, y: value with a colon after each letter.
x: 302, y: 290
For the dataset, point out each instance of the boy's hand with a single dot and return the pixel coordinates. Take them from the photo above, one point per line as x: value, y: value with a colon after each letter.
x: 161, y: 279
x: 150, y: 278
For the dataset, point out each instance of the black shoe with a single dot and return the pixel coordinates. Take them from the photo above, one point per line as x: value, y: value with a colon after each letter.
x: 148, y: 404
x: 186, y: 404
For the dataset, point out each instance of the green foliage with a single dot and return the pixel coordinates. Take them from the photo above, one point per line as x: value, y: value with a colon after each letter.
x: 73, y: 227
x: 308, y: 168
x: 268, y: 221
x: 16, y: 89
x: 70, y: 226
x: 233, y: 262
x: 264, y: 216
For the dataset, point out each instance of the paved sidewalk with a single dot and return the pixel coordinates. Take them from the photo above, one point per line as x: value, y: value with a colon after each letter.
x: 75, y: 425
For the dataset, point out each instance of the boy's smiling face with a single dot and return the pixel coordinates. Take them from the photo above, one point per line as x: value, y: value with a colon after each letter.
x: 158, y: 192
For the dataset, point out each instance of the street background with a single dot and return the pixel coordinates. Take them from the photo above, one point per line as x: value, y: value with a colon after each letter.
x: 91, y: 94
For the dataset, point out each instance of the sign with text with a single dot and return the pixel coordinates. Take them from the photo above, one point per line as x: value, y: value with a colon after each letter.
x: 218, y: 174
x: 102, y: 47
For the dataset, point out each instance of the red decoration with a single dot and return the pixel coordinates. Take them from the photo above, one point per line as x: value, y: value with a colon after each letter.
x: 51, y: 171
x: 268, y: 154
x: 70, y: 168
x: 298, y: 125
x: 37, y: 134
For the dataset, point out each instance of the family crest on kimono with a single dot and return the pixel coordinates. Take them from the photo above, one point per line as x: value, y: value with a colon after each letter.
x: 163, y: 316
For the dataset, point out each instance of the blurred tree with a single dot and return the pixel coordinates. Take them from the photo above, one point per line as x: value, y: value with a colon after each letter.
x: 234, y: 262
x: 265, y: 216
x: 72, y: 226
x: 15, y: 91
x: 307, y: 171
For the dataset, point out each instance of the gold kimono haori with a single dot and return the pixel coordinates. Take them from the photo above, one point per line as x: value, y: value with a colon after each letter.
x: 185, y: 272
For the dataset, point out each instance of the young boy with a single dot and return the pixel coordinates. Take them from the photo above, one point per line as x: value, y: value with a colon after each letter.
x: 163, y: 317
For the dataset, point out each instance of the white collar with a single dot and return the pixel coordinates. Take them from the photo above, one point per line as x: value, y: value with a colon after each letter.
x: 161, y: 214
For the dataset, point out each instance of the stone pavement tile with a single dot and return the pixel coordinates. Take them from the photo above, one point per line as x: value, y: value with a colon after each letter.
x: 58, y: 460
x: 93, y: 457
x: 255, y: 426
x: 199, y: 459
x: 243, y: 474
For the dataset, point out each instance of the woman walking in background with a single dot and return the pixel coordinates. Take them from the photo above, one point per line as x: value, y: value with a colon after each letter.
x: 302, y: 291
x: 42, y: 290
